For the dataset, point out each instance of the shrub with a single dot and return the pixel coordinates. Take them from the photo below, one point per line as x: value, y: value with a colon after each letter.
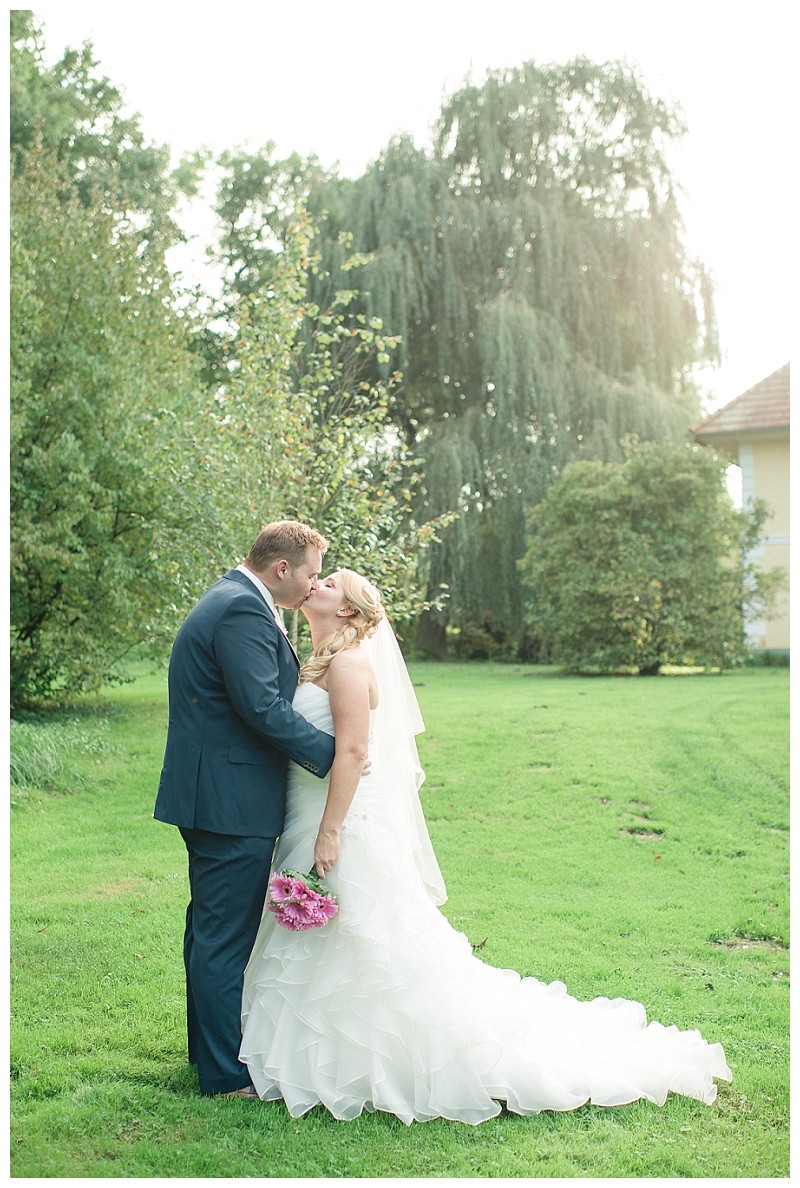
x: 639, y: 564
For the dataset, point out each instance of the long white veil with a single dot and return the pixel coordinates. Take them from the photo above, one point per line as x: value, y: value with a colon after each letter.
x: 397, y: 722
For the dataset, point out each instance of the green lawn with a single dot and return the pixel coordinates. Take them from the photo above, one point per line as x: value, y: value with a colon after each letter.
x: 627, y: 836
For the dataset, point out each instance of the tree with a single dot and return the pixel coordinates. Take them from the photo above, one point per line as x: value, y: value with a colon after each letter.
x: 110, y: 515
x: 79, y: 114
x: 638, y: 564
x: 563, y: 314
x: 533, y: 269
x: 112, y: 525
x: 303, y: 425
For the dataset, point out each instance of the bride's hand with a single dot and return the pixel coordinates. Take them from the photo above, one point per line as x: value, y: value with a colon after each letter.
x: 326, y: 850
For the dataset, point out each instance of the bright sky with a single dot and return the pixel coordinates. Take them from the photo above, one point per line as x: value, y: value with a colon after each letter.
x: 340, y: 80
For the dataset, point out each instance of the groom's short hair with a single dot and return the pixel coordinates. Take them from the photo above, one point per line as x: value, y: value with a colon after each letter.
x: 281, y: 540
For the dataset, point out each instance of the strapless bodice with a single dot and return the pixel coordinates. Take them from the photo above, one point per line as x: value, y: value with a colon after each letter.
x: 314, y: 704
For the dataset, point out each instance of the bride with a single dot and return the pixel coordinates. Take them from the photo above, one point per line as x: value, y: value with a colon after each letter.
x: 386, y: 1007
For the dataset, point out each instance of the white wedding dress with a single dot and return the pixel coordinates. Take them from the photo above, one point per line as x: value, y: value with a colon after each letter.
x: 387, y: 1008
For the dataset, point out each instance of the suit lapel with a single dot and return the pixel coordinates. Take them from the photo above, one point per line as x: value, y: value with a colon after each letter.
x: 243, y: 580
x: 291, y: 648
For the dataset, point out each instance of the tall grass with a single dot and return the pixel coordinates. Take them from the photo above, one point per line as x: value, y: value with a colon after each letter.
x: 47, y: 754
x: 629, y: 837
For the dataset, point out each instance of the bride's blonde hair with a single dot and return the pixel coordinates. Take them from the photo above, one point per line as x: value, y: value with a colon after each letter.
x: 365, y: 601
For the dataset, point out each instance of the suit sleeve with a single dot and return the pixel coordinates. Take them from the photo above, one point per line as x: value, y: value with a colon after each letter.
x: 246, y: 648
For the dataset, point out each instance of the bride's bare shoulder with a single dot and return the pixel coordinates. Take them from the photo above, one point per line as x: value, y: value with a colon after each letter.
x: 350, y: 675
x: 349, y: 663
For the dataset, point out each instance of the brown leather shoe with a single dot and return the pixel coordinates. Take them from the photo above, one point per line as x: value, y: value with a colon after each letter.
x: 249, y: 1091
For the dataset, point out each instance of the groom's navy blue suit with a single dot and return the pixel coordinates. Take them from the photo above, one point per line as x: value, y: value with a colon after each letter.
x: 232, y: 731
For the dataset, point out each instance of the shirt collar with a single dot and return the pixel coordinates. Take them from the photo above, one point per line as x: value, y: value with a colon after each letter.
x: 270, y: 601
x: 259, y: 585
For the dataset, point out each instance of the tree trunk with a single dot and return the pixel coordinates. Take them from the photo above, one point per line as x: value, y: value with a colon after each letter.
x: 431, y: 636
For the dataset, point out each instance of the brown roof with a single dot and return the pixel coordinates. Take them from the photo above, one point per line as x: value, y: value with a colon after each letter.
x: 763, y: 407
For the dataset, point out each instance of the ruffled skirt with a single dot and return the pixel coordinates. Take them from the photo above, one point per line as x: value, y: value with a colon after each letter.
x: 387, y: 1008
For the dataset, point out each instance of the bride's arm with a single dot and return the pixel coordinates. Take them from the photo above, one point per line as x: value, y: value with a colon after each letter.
x: 348, y: 678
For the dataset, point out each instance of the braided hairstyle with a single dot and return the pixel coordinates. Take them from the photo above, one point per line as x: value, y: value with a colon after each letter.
x: 365, y: 600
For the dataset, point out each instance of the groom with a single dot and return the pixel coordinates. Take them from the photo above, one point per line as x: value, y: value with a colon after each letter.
x: 232, y: 731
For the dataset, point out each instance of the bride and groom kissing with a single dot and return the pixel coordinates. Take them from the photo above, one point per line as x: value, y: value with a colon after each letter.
x: 385, y: 1007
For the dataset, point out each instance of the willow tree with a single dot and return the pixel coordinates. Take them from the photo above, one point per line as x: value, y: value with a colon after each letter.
x: 532, y: 264
x: 534, y: 268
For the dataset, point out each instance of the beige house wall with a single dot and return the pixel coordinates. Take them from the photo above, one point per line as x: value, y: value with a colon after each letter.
x: 776, y: 629
x: 770, y: 460
x: 764, y: 462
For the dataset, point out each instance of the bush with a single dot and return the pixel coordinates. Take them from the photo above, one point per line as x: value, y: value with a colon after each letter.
x: 639, y: 564
x: 768, y: 658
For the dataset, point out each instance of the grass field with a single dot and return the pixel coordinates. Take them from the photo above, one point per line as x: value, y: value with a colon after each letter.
x: 626, y: 836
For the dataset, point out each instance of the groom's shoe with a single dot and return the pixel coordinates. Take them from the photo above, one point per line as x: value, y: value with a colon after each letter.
x: 249, y: 1091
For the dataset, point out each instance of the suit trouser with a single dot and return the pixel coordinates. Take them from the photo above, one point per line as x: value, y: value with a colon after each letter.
x: 228, y: 883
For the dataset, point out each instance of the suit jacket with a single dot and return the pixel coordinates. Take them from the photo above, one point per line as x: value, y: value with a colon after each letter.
x: 232, y: 729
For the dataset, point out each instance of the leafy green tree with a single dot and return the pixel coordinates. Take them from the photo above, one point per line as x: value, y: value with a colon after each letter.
x: 258, y: 198
x: 77, y: 112
x: 533, y: 267
x: 643, y: 563
x: 257, y: 203
x: 304, y: 429
x: 111, y: 509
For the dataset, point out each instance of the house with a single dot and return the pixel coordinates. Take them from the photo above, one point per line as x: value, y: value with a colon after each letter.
x: 753, y: 430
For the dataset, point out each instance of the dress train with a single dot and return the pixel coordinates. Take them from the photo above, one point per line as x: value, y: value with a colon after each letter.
x: 387, y: 1008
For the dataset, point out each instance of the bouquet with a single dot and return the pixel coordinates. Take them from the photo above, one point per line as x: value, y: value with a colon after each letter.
x: 300, y: 901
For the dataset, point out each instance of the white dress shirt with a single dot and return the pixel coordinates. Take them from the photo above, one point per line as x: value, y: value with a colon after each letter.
x: 267, y: 596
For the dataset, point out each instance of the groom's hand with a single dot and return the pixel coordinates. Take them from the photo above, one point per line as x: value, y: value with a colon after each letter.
x: 367, y: 768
